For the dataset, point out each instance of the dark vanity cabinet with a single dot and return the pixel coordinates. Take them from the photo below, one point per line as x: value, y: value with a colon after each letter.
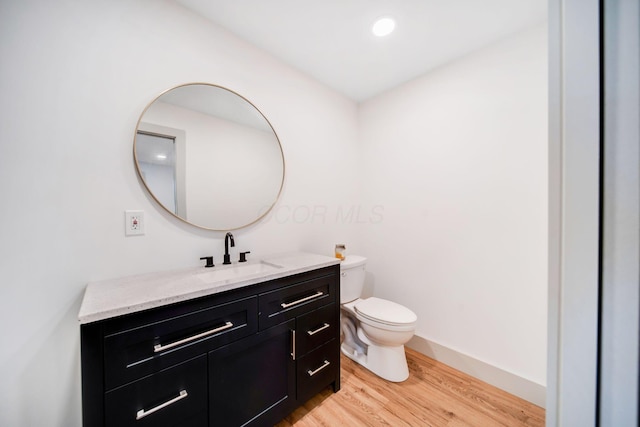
x: 243, y: 357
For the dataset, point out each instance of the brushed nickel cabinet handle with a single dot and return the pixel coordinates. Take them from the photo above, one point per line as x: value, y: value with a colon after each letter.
x: 301, y: 300
x: 159, y: 347
x: 324, y: 365
x: 142, y: 413
x: 321, y: 328
x: 293, y: 344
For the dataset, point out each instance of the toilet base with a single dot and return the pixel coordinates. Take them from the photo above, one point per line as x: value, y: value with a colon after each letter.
x: 388, y: 362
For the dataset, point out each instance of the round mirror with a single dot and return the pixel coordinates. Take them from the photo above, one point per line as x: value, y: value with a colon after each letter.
x: 209, y: 157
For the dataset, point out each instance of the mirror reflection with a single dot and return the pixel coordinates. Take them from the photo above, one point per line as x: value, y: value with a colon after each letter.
x: 209, y: 157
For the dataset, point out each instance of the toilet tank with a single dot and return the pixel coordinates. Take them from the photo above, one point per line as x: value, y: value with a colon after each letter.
x: 351, y: 278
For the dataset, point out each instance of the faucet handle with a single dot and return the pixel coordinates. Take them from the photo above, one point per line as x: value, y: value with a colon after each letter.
x: 209, y: 261
x: 243, y: 256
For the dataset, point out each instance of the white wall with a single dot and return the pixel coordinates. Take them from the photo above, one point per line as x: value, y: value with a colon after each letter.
x: 74, y: 78
x: 458, y: 160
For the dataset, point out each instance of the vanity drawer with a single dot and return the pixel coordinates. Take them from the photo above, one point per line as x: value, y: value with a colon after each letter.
x: 291, y: 301
x: 316, y: 328
x: 317, y: 369
x: 175, y: 397
x: 141, y: 351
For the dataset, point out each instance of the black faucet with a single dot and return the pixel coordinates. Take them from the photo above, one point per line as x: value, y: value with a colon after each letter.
x: 228, y: 237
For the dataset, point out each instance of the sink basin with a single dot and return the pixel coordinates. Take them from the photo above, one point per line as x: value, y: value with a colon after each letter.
x: 238, y: 271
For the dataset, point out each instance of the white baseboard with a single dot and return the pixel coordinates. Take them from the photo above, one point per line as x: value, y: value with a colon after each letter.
x: 511, y: 383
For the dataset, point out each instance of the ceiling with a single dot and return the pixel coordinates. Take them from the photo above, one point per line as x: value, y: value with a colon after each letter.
x: 331, y: 39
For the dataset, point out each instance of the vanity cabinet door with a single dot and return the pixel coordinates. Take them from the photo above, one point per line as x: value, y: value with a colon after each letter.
x: 174, y: 397
x: 134, y: 353
x: 316, y: 328
x: 290, y: 301
x: 251, y: 378
x: 318, y: 369
x: 252, y: 381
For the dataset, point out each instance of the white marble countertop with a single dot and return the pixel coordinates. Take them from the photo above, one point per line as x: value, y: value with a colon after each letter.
x: 110, y: 298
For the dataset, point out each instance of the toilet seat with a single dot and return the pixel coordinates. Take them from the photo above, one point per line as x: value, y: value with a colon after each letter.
x: 386, y: 314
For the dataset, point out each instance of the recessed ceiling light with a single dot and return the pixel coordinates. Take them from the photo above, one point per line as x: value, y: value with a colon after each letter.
x: 161, y: 156
x: 383, y: 26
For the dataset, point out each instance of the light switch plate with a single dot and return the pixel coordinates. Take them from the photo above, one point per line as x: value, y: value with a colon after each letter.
x: 133, y: 223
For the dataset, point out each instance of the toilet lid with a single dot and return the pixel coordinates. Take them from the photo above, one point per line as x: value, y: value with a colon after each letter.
x: 384, y: 311
x: 351, y: 261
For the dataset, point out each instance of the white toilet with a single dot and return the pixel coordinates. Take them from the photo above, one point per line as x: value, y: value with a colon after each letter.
x: 375, y: 330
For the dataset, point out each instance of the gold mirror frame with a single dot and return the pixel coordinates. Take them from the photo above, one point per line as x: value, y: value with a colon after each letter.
x: 157, y: 129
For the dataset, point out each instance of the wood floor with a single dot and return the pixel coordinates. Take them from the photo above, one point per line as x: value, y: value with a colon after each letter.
x: 434, y: 395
